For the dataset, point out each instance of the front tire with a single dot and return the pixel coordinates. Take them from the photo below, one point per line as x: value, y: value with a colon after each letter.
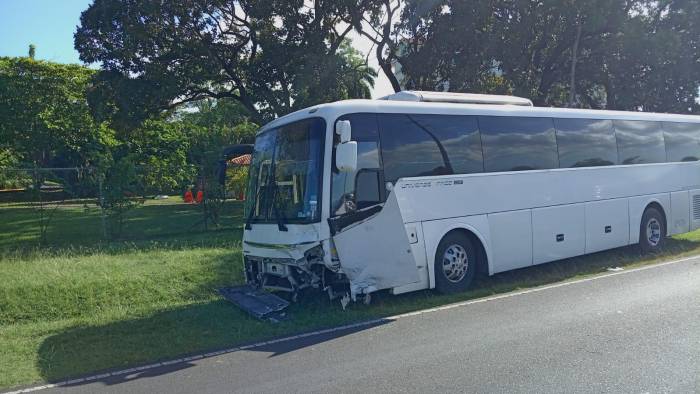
x: 652, y: 231
x: 455, y: 264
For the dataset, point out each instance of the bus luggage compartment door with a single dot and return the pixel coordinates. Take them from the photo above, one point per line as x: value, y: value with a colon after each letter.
x: 375, y: 253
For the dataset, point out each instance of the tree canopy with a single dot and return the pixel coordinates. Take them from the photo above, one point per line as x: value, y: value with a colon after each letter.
x: 45, y: 117
x: 47, y: 123
x: 614, y: 54
x: 227, y: 66
x: 271, y: 56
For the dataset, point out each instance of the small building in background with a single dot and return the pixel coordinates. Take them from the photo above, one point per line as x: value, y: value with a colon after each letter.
x: 237, y: 176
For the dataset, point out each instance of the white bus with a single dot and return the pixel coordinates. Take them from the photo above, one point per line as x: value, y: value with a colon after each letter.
x: 422, y: 190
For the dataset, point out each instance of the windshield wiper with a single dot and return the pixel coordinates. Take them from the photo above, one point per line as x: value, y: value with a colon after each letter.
x: 249, y: 219
x: 279, y: 217
x: 281, y: 226
x: 271, y: 184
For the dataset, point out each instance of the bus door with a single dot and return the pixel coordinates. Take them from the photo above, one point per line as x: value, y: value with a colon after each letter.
x: 372, y: 244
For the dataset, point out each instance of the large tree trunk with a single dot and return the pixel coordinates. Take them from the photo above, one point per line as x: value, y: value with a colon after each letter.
x: 385, y: 64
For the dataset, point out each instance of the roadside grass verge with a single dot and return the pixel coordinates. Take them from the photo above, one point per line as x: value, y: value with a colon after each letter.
x: 72, y: 310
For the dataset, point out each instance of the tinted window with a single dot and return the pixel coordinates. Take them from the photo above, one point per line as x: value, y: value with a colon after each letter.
x: 639, y: 142
x: 459, y: 136
x: 367, y: 192
x: 682, y: 141
x: 517, y: 144
x: 364, y: 131
x: 585, y: 142
x: 409, y: 149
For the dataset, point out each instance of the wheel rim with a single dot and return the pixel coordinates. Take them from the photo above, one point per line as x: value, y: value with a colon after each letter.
x: 653, y: 232
x: 455, y: 263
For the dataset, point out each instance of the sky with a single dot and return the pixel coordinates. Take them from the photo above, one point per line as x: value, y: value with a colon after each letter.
x: 50, y: 24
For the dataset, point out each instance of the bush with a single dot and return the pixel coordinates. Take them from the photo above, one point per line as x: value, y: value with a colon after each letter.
x: 120, y: 194
x: 236, y: 181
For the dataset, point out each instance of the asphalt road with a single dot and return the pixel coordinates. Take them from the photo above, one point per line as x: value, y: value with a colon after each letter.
x: 637, y: 332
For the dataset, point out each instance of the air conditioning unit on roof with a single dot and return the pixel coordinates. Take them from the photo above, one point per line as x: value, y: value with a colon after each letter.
x: 459, y: 98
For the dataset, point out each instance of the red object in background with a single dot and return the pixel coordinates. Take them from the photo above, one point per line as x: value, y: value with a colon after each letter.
x: 200, y: 197
x: 243, y: 160
x: 188, y: 197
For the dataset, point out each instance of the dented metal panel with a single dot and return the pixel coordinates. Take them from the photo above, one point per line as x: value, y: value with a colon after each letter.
x: 258, y: 303
x: 375, y: 254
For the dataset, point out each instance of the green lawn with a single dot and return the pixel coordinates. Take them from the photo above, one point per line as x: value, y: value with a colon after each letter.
x: 83, y: 305
x: 80, y: 224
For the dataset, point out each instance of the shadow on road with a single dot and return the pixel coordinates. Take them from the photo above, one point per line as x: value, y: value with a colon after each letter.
x: 284, y: 347
x: 168, y: 335
x: 131, y: 376
x: 124, y: 344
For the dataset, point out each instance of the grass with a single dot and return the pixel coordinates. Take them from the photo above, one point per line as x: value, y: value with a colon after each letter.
x: 84, y: 305
x: 81, y: 223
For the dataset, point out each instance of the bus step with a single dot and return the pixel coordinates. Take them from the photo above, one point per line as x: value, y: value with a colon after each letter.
x: 259, y: 303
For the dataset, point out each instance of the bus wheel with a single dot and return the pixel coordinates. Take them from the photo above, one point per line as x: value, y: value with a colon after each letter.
x: 455, y: 264
x: 652, y: 231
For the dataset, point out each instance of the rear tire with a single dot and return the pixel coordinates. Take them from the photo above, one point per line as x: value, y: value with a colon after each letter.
x: 652, y: 231
x: 455, y: 264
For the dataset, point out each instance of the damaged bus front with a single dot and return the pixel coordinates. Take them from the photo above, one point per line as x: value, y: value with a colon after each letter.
x: 314, y: 220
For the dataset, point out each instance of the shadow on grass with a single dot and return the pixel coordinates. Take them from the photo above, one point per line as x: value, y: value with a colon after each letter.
x: 218, y: 324
x: 225, y: 238
x: 177, y: 219
x: 77, y: 226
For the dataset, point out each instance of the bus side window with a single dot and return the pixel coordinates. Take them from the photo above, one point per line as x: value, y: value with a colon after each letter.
x: 367, y: 191
x: 409, y: 149
x: 586, y: 142
x: 682, y: 141
x: 640, y: 142
x: 518, y: 143
x: 429, y: 144
x: 459, y: 137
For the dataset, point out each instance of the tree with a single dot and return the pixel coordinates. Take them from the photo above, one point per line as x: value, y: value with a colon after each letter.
x: 449, y: 45
x: 32, y: 51
x: 340, y: 76
x: 214, y: 114
x: 537, y: 41
x: 651, y: 64
x: 158, y: 152
x: 619, y: 54
x: 45, y: 117
x: 376, y: 20
x: 433, y: 45
x: 120, y: 194
x: 212, y: 125
x: 265, y: 55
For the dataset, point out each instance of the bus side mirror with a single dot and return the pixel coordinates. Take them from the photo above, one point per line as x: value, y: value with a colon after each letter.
x: 346, y: 156
x: 344, y: 130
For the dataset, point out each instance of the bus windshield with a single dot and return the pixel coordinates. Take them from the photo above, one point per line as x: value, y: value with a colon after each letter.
x: 285, y: 174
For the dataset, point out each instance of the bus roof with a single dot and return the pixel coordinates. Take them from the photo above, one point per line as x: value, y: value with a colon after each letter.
x: 340, y: 108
